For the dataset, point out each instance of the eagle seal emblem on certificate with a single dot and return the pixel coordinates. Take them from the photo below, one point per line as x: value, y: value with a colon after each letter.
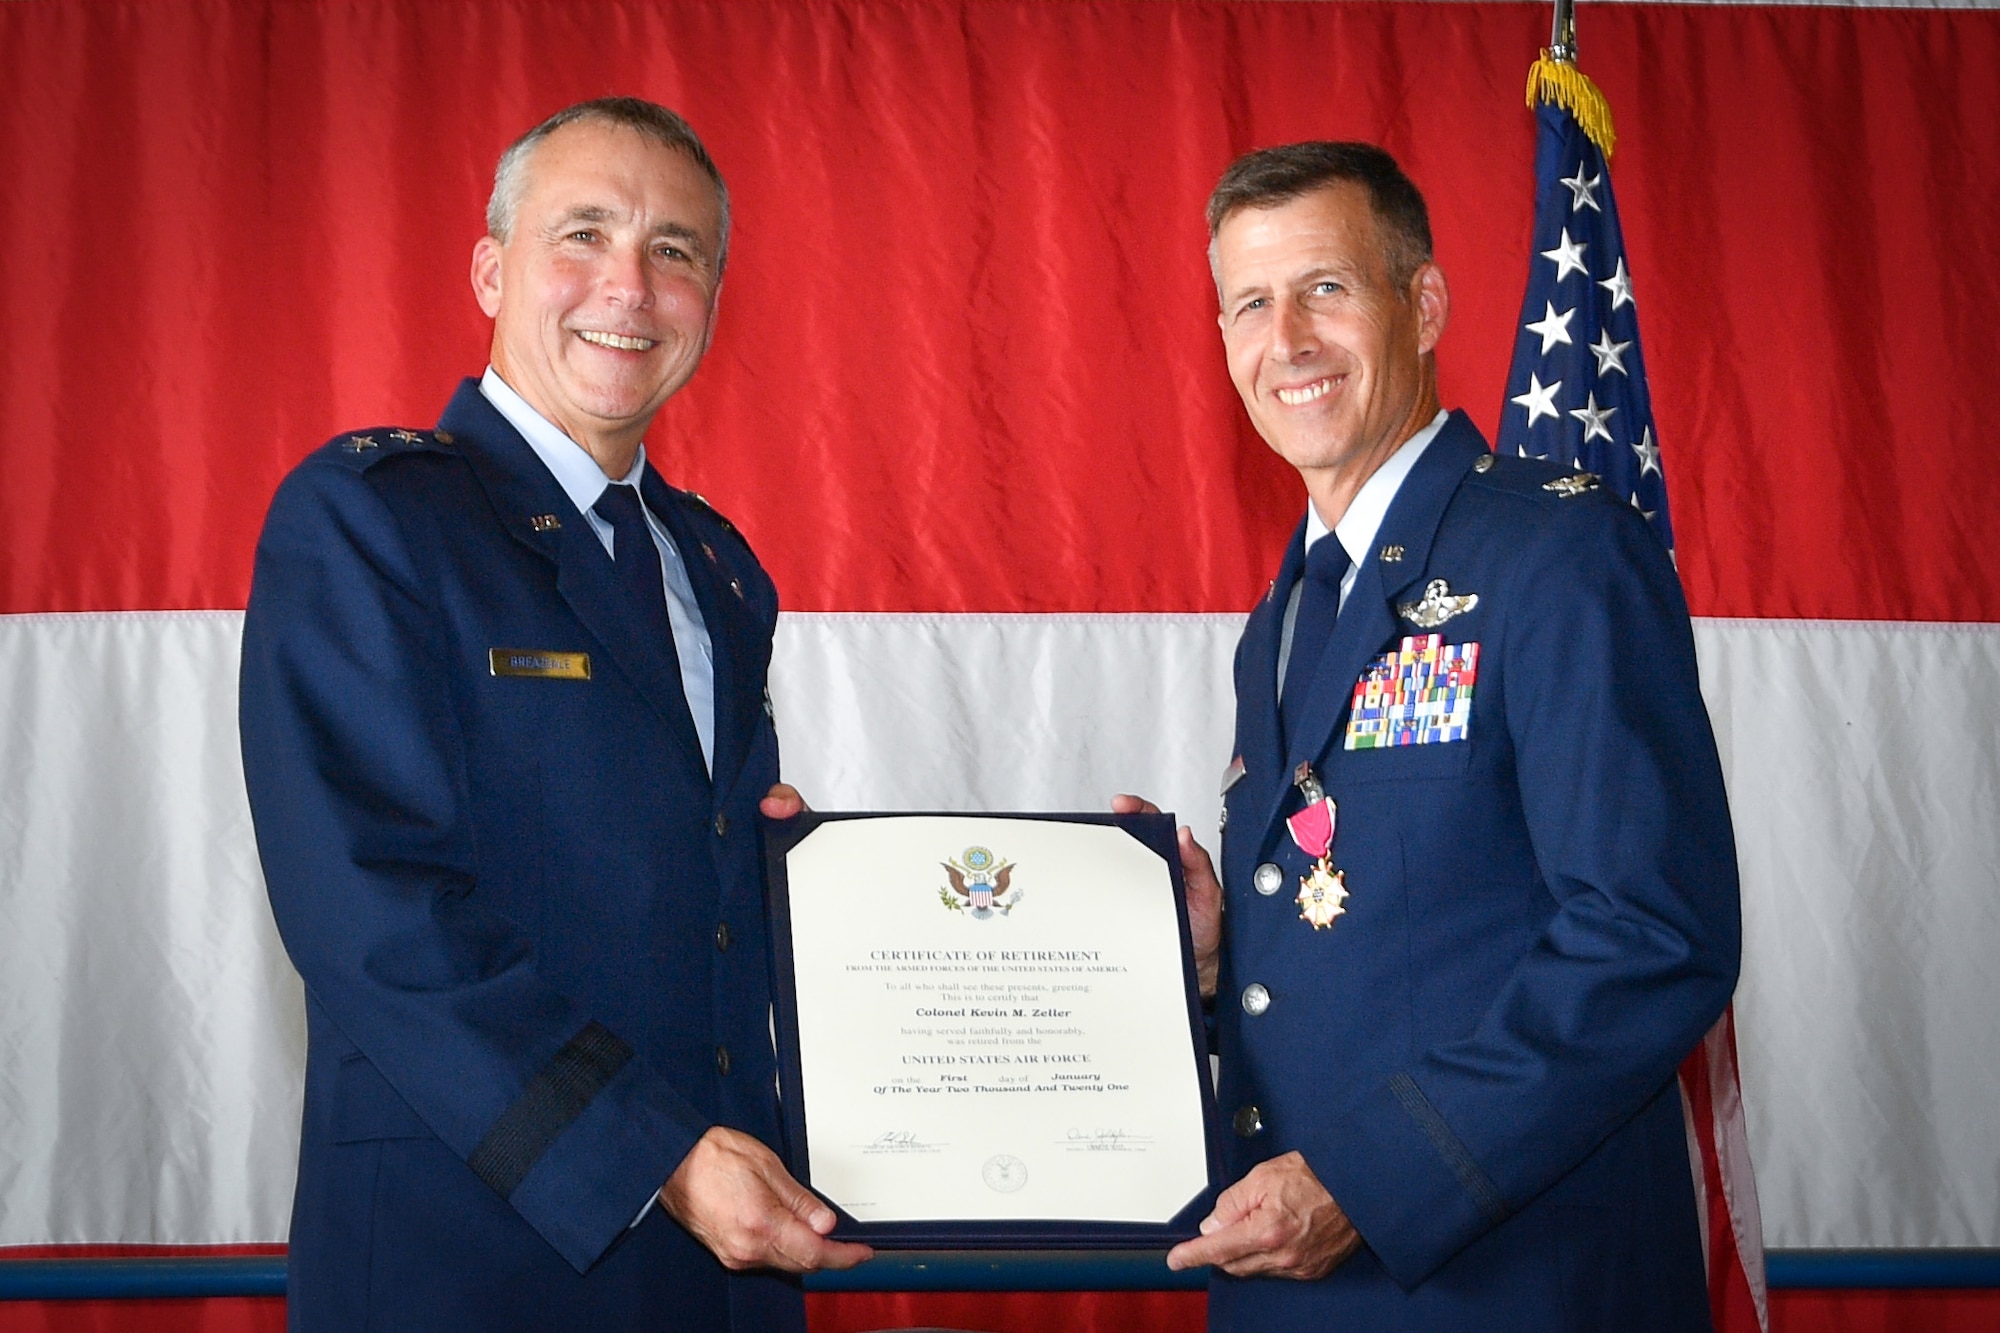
x: 981, y: 885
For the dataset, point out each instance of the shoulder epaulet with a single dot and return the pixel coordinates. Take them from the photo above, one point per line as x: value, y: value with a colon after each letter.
x: 703, y: 511
x: 1533, y: 476
x: 699, y: 503
x: 362, y: 449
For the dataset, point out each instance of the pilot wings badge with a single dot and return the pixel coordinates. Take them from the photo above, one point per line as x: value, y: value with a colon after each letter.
x: 981, y: 885
x: 1437, y: 605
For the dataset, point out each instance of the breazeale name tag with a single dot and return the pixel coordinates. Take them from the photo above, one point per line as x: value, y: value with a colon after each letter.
x: 538, y: 662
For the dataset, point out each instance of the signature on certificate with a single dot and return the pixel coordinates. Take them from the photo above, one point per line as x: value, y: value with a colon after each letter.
x: 900, y: 1141
x: 1101, y: 1139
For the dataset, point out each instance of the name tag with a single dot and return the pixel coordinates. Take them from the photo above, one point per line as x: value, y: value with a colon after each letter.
x: 1421, y: 694
x: 539, y: 663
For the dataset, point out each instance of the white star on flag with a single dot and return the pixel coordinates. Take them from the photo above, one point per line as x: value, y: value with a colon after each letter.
x: 1582, y: 193
x: 1554, y: 328
x: 1619, y: 285
x: 1540, y: 402
x: 1649, y: 454
x: 1593, y: 418
x: 1610, y: 355
x: 1567, y: 256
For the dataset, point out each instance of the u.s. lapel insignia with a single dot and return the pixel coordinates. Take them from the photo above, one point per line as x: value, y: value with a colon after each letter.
x: 1391, y: 554
x: 544, y: 522
x: 1437, y: 605
x: 1322, y: 894
x: 1575, y: 484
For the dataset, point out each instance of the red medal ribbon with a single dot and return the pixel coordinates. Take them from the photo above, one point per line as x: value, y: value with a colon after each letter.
x: 1312, y: 828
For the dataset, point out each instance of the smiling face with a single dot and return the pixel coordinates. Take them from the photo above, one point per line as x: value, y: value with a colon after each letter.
x: 603, y: 295
x: 1331, y: 358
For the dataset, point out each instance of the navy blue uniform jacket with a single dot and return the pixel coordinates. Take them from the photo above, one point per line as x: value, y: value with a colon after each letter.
x: 529, y: 924
x: 1478, y: 1058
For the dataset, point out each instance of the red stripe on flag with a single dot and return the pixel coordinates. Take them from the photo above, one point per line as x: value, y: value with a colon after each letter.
x: 1728, y: 1194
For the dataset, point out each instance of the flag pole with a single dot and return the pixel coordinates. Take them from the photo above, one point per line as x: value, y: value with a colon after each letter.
x: 1562, y: 36
x: 1555, y: 78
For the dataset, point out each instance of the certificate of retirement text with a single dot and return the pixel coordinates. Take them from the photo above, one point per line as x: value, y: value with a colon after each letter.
x: 993, y: 1022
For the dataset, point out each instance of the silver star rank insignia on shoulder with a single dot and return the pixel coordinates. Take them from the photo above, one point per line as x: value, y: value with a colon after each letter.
x: 1437, y: 605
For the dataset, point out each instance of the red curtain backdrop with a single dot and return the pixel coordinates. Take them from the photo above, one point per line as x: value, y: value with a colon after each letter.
x: 967, y: 340
x: 234, y: 227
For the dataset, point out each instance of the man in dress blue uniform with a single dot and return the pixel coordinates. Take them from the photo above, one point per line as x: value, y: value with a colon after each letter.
x: 1478, y: 892
x: 505, y: 730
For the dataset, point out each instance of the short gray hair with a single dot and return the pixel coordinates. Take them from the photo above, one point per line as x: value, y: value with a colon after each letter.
x: 510, y: 177
x: 1274, y: 176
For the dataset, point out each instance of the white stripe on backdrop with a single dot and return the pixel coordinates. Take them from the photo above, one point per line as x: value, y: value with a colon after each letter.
x: 152, y: 1034
x: 151, y: 1029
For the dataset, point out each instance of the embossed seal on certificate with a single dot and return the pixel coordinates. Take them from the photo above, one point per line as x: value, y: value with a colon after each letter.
x: 981, y: 885
x: 1004, y: 1174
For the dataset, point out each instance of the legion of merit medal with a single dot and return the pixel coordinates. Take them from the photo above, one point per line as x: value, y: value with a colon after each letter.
x: 1322, y: 889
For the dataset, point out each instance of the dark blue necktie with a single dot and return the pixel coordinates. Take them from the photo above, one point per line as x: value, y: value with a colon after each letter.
x: 1319, y: 604
x: 637, y: 561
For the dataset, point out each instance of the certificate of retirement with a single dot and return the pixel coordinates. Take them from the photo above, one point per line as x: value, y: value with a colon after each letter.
x: 993, y: 1021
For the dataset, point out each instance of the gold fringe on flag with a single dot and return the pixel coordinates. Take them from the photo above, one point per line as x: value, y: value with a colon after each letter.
x: 1558, y: 81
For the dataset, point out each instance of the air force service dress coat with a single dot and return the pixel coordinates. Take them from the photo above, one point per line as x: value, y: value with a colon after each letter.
x: 1477, y: 1058
x: 529, y: 924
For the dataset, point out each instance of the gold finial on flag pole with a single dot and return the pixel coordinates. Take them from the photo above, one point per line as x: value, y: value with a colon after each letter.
x: 1555, y: 78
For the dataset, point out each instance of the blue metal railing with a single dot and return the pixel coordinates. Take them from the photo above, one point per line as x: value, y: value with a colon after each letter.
x: 963, y: 1270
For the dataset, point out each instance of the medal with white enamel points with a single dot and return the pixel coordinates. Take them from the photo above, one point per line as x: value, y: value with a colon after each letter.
x: 1322, y: 889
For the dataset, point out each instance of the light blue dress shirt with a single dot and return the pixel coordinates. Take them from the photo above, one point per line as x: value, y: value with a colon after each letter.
x: 1358, y: 526
x: 584, y: 481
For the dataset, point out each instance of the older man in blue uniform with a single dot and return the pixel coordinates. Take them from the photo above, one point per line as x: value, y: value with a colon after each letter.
x: 1478, y: 891
x: 506, y: 732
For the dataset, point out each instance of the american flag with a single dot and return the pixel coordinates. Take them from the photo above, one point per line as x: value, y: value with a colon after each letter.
x: 1577, y: 394
x: 1577, y: 390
